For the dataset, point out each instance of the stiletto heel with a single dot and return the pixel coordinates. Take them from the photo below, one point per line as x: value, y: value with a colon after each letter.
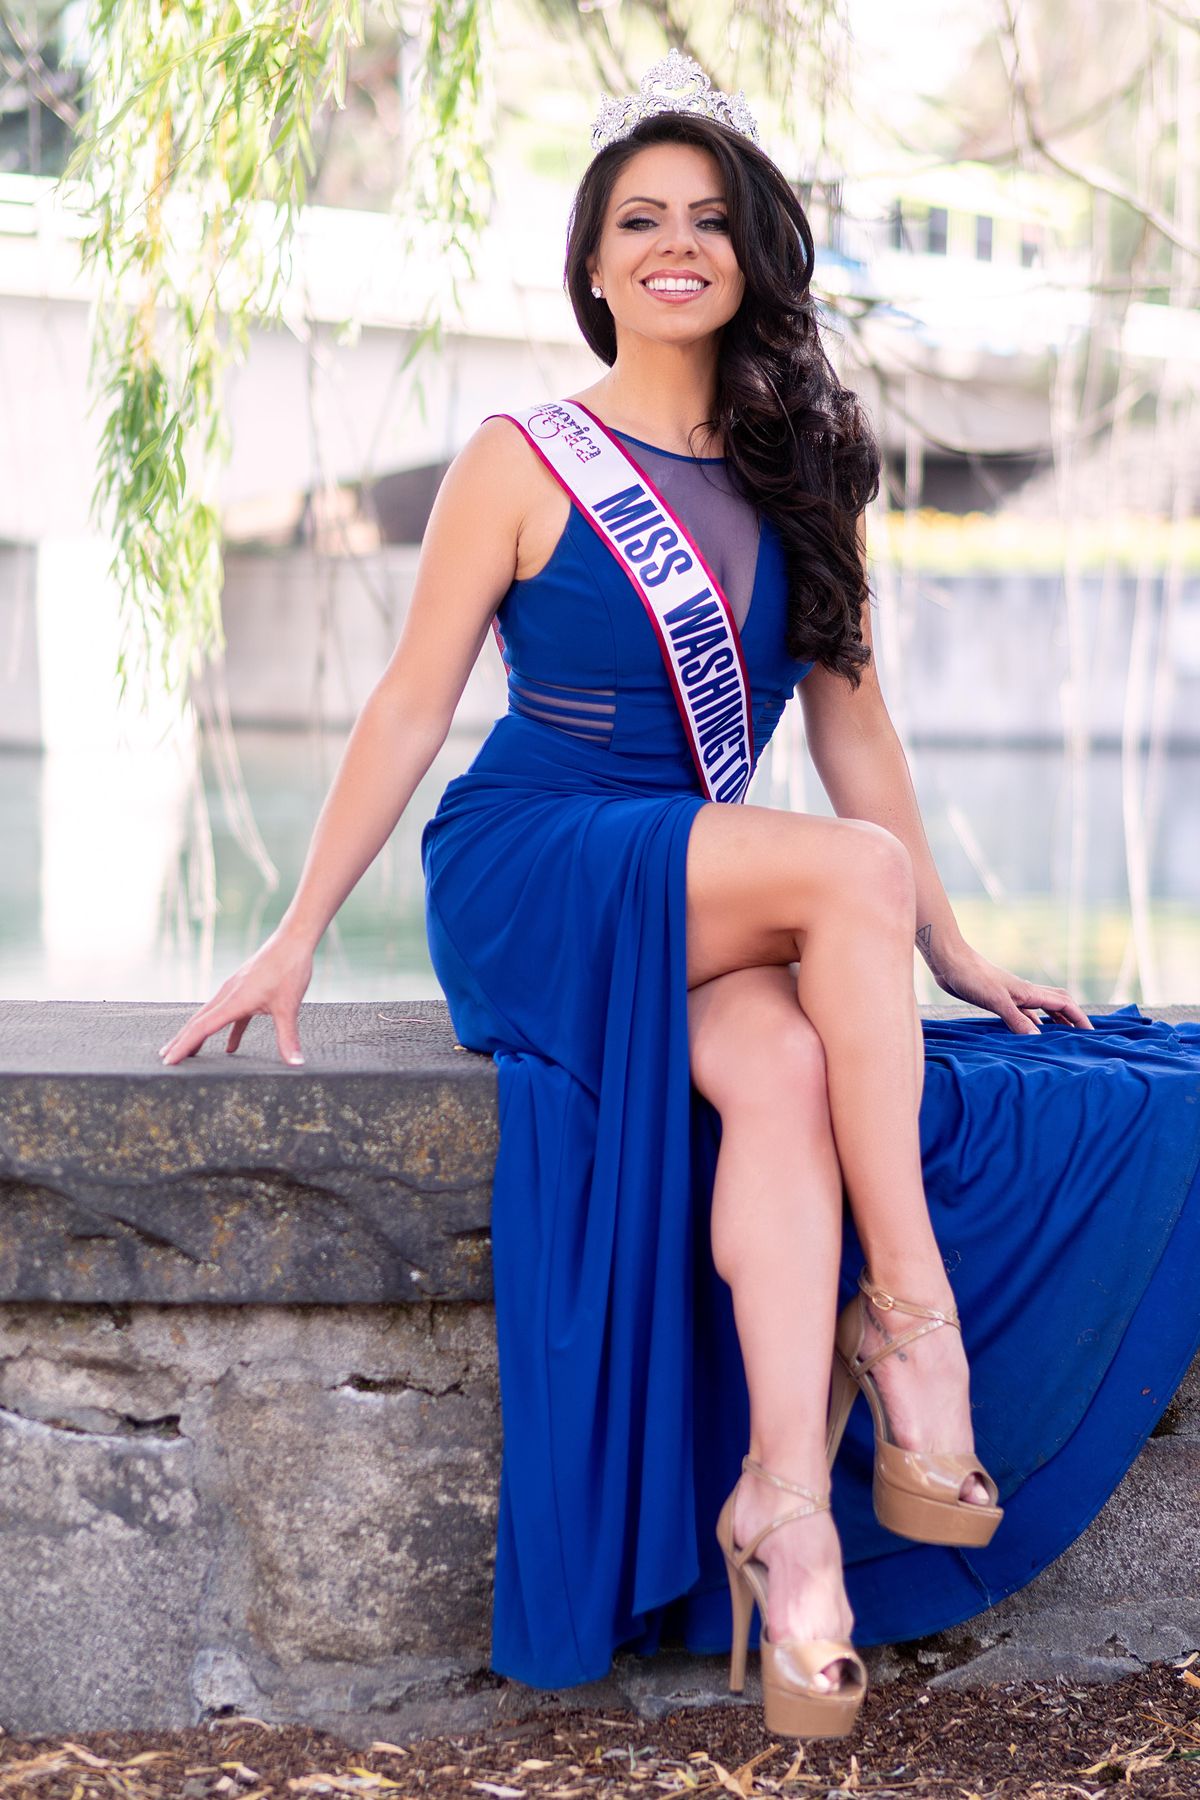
x: 742, y: 1599
x: 843, y: 1392
x: 918, y: 1493
x: 791, y: 1705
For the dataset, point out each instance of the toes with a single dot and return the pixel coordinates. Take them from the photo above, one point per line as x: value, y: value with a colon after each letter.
x: 974, y: 1491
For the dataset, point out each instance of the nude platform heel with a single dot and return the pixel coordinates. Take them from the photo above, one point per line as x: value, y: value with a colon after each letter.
x: 918, y: 1493
x: 791, y: 1705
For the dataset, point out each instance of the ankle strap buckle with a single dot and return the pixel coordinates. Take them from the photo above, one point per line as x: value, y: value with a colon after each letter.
x: 889, y: 1302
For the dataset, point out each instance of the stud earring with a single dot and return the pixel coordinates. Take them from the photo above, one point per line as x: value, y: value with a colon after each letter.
x: 597, y: 292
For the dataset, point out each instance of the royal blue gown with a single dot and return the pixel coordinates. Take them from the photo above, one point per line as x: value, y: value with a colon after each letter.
x: 1060, y: 1168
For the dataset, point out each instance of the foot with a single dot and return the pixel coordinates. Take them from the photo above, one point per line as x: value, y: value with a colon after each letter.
x: 924, y: 1386
x: 805, y: 1594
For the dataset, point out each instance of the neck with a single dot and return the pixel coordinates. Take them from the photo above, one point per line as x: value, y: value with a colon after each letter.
x: 661, y: 392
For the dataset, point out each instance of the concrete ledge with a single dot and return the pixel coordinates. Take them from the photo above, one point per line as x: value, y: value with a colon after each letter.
x: 249, y: 1420
x: 363, y: 1176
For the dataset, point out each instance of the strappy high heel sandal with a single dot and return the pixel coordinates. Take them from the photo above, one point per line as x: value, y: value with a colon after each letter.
x: 918, y: 1493
x: 791, y: 1705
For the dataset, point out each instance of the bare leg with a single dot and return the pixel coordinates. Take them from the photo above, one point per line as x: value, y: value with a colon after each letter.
x: 776, y: 1237
x: 839, y: 897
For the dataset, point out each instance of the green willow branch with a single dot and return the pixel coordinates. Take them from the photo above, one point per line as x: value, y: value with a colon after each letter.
x: 192, y: 163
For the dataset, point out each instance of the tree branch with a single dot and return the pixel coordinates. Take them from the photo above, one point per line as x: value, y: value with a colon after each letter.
x: 1098, y: 180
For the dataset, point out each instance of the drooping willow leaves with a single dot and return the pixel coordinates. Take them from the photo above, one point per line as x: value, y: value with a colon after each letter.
x: 194, y: 158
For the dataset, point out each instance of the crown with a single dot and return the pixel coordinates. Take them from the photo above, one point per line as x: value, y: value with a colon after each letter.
x: 675, y: 83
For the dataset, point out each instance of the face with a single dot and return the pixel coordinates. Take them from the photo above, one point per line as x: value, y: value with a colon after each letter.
x: 664, y: 260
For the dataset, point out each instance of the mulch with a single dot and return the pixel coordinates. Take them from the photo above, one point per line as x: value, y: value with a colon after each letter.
x: 1140, y: 1735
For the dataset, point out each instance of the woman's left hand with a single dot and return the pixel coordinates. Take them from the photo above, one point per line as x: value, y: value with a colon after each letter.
x: 969, y: 976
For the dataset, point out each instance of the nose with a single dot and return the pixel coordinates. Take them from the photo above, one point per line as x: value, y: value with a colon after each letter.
x: 679, y: 233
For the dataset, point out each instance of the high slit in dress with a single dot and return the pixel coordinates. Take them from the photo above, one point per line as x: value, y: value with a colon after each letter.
x: 1060, y: 1168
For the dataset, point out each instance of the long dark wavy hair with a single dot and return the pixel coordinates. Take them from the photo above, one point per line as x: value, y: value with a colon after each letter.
x: 797, y: 443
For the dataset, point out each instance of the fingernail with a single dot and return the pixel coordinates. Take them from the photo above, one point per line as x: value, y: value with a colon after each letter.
x: 296, y: 1059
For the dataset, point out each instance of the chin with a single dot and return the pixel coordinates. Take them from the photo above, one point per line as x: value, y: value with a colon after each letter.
x: 679, y: 331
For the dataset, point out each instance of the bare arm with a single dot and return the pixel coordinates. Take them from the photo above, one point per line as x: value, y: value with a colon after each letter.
x: 467, y: 561
x: 858, y: 755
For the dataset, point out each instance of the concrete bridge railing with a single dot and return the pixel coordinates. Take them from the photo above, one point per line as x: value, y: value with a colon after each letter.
x: 249, y: 1425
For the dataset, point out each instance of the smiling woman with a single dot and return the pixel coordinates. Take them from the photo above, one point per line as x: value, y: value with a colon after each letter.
x: 682, y: 201
x: 711, y: 1065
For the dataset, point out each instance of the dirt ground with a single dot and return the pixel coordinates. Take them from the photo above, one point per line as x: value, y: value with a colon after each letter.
x: 1139, y: 1736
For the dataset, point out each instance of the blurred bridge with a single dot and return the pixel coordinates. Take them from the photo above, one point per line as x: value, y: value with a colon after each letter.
x: 946, y: 351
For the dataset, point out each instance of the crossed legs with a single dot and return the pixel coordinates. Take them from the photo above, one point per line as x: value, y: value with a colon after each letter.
x: 805, y: 1036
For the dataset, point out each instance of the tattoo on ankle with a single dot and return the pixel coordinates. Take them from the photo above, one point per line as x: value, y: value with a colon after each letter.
x: 925, y: 941
x: 880, y: 1326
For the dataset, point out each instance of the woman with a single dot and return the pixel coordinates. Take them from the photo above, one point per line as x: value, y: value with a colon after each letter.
x: 703, y: 1016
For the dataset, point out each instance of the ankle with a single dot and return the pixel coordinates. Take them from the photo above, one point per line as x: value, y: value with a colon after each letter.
x: 777, y: 1470
x: 923, y: 1283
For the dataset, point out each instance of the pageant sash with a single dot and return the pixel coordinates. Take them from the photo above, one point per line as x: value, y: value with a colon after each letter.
x: 695, y: 628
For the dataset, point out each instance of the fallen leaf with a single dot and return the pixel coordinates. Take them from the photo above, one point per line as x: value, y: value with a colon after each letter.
x: 744, y: 1777
x: 48, y: 1761
x: 104, y: 1762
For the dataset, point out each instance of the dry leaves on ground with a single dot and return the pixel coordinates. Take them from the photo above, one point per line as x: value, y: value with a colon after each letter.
x: 1025, y: 1741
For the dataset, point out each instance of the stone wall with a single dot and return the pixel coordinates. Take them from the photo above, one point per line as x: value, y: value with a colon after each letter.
x: 307, y: 638
x: 249, y: 1425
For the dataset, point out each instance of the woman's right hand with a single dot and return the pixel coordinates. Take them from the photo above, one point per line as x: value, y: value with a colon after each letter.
x: 272, y: 981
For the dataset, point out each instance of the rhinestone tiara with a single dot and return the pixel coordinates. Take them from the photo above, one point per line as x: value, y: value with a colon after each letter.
x: 675, y: 83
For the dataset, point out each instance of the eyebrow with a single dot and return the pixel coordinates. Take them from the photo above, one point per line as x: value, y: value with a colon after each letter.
x: 713, y: 200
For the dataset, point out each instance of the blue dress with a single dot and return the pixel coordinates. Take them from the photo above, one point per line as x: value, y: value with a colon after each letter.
x: 1060, y: 1168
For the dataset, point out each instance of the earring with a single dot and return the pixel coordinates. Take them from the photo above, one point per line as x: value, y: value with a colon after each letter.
x: 597, y: 292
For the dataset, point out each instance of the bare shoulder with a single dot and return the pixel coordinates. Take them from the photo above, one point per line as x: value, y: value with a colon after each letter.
x: 497, y: 477
x: 497, y: 457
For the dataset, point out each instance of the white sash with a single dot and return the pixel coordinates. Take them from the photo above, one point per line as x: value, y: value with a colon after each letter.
x: 692, y: 620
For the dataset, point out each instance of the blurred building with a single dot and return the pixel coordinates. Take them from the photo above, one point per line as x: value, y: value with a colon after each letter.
x: 947, y: 293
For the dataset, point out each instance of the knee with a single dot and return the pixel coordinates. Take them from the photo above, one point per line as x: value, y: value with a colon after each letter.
x: 881, y: 876
x: 772, y: 1063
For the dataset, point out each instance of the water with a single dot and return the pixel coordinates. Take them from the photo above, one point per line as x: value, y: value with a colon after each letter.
x: 106, y: 890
